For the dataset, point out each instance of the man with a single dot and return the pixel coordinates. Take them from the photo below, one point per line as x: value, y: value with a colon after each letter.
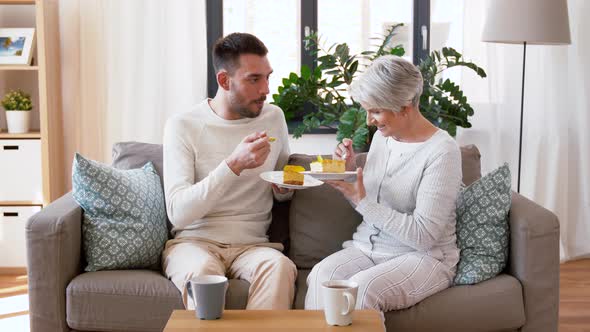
x: 218, y: 204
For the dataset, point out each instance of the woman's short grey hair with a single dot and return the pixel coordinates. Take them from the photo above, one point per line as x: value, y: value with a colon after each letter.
x: 390, y: 82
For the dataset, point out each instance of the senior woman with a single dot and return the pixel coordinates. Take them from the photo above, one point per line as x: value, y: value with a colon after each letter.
x: 405, y: 248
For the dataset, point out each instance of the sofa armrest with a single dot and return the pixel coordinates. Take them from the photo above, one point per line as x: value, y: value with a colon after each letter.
x: 53, y: 239
x: 534, y: 260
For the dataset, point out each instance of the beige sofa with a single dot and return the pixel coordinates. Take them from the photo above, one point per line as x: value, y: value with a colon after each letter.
x: 313, y: 225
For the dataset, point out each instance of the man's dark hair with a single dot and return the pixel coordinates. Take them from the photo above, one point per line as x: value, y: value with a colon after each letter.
x: 227, y: 50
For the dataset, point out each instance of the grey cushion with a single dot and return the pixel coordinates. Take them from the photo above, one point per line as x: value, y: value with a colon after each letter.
x: 301, y: 288
x: 320, y: 219
x: 493, y: 305
x: 130, y: 155
x: 470, y: 163
x: 131, y: 300
x: 124, y: 300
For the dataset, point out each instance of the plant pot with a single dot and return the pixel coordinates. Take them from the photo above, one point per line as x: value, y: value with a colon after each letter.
x: 17, y: 121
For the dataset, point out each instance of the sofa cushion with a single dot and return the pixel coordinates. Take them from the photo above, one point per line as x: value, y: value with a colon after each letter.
x: 482, y: 227
x: 123, y: 300
x: 320, y: 219
x: 131, y: 300
x: 470, y: 163
x: 301, y: 288
x: 130, y: 155
x: 493, y: 305
x: 124, y: 222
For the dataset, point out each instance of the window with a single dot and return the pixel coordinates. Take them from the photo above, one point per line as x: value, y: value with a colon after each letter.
x: 281, y: 25
x: 276, y: 23
x: 357, y: 21
x: 446, y: 21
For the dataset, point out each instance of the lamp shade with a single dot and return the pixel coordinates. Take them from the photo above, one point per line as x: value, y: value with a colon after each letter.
x: 543, y: 22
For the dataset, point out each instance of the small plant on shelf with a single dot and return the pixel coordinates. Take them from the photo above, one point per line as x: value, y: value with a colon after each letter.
x: 17, y: 100
x: 17, y: 105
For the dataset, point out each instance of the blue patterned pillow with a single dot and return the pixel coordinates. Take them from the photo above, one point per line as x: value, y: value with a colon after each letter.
x: 482, y: 227
x: 124, y: 224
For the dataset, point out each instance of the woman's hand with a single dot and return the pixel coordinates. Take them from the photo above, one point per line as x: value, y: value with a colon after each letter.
x: 355, y: 191
x: 280, y: 190
x: 345, y: 152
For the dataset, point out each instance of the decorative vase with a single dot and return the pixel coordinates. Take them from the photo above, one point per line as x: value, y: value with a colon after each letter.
x: 17, y: 121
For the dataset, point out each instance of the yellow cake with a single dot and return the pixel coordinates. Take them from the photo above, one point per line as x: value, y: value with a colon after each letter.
x: 292, y: 175
x: 328, y: 165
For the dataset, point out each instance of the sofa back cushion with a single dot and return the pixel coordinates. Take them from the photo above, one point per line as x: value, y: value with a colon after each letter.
x: 470, y: 163
x: 321, y: 219
x: 130, y: 155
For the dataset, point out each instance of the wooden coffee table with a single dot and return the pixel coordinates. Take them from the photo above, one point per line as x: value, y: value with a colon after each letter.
x: 271, y: 320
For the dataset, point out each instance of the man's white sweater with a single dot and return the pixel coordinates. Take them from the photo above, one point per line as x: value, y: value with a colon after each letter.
x: 411, y: 198
x: 204, y: 197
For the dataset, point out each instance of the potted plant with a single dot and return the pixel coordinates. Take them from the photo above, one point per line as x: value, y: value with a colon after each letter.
x: 442, y: 101
x: 18, y: 106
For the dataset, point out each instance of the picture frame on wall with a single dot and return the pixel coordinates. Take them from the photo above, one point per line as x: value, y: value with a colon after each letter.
x: 16, y: 46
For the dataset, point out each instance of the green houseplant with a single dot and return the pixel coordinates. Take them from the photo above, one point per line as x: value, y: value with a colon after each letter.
x: 442, y: 102
x: 17, y: 105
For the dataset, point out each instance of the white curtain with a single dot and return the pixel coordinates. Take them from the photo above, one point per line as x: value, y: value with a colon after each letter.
x: 126, y: 67
x: 556, y: 158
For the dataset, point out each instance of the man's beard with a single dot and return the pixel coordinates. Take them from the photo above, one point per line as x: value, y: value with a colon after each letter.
x: 245, y: 112
x: 242, y: 110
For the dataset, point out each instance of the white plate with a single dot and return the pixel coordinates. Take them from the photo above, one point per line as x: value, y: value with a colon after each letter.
x: 347, y: 176
x: 276, y: 177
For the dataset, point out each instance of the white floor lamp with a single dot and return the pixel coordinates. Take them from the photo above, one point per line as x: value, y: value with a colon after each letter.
x: 536, y: 22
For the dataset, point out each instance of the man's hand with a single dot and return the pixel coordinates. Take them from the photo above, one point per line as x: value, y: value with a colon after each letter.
x: 250, y: 153
x: 345, y: 152
x: 355, y: 191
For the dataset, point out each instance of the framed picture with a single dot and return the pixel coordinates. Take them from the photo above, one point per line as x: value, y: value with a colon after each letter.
x: 16, y: 46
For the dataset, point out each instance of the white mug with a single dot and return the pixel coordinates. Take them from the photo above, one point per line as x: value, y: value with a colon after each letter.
x: 339, y: 301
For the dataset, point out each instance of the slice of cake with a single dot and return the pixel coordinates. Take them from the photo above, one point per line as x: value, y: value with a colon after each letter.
x: 292, y: 175
x: 327, y: 165
x: 316, y: 166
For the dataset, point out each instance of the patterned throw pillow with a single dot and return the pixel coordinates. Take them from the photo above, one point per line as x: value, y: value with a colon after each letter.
x: 124, y: 224
x: 482, y: 227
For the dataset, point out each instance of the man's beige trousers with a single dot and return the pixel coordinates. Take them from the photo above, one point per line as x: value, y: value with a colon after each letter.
x: 270, y: 273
